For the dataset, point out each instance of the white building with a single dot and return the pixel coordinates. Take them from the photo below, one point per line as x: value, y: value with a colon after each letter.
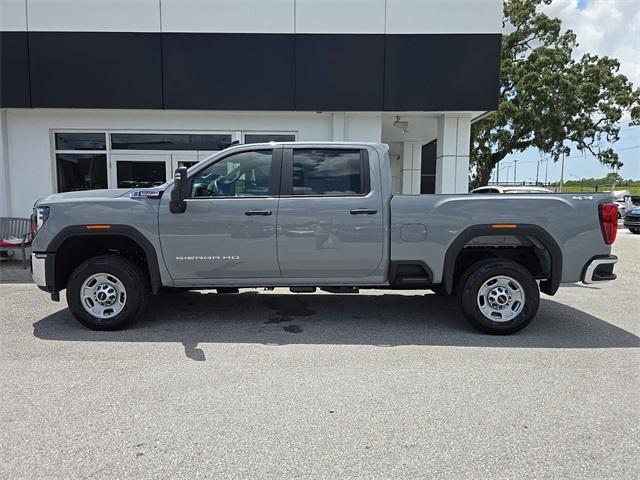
x: 105, y: 93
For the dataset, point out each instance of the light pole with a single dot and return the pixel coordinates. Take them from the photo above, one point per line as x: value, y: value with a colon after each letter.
x: 579, y: 178
x: 538, y: 165
x: 562, y: 173
x: 515, y: 169
x: 546, y: 172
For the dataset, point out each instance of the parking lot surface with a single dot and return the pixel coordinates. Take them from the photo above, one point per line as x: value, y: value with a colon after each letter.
x: 276, y: 385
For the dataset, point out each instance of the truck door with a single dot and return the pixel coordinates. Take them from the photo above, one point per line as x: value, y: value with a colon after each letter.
x: 330, y: 216
x: 228, y: 230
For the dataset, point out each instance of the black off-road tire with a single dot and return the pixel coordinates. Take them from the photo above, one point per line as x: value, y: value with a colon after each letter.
x: 127, y: 272
x: 474, y: 278
x: 635, y: 231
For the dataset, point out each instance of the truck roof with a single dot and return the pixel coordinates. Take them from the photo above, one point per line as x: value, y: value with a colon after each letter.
x: 375, y: 145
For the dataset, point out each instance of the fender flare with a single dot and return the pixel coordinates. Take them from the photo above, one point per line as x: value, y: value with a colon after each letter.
x: 120, y: 230
x: 549, y: 286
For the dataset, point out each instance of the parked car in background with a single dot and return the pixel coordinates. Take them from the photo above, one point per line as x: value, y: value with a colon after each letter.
x: 514, y: 189
x: 632, y: 220
x: 621, y: 208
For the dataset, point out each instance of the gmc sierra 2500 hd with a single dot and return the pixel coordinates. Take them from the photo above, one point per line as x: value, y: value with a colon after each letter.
x: 308, y: 215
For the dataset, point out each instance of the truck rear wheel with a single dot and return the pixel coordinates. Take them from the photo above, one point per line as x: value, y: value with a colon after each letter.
x: 498, y: 296
x: 107, y: 292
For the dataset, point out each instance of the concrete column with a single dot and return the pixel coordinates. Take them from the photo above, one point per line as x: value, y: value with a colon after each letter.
x: 411, y: 167
x: 452, y: 157
x: 5, y: 192
x: 337, y: 126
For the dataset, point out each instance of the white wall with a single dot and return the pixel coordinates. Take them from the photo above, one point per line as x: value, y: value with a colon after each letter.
x: 13, y: 15
x: 267, y: 16
x: 363, y: 127
x: 94, y: 15
x: 340, y: 16
x: 444, y: 16
x: 5, y: 194
x: 246, y: 16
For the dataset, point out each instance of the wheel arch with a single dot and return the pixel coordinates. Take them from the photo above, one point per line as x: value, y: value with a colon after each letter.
x: 122, y: 231
x: 548, y: 286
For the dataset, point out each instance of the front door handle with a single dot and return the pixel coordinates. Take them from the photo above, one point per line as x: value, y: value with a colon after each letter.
x: 363, y: 211
x: 264, y: 213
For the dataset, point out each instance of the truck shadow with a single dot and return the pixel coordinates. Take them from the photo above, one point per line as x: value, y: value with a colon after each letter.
x: 193, y: 318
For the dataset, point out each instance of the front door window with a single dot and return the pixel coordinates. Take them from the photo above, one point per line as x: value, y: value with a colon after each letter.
x: 244, y: 174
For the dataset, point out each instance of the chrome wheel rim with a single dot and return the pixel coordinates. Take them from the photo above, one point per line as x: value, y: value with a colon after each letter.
x: 103, y: 295
x: 501, y: 298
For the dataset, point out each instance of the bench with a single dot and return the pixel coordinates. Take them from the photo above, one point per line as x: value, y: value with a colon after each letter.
x: 15, y: 233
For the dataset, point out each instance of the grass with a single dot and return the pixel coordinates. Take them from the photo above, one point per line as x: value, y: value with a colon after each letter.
x: 601, y: 189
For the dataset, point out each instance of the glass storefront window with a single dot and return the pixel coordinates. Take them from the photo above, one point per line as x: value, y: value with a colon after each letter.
x: 81, y: 141
x: 92, y: 160
x: 81, y: 171
x: 170, y: 141
x: 132, y: 174
x: 266, y: 137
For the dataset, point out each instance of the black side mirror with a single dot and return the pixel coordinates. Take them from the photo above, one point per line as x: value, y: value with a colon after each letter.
x: 180, y: 191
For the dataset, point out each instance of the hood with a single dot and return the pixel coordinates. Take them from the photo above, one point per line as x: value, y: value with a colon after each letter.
x: 84, y: 195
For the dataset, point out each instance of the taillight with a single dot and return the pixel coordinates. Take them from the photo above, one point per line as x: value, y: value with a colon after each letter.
x: 608, y: 213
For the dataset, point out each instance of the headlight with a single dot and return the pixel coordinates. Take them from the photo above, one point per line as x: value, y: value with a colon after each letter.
x: 40, y: 215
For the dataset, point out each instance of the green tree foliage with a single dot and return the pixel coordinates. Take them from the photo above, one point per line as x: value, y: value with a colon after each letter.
x: 549, y: 99
x: 609, y: 179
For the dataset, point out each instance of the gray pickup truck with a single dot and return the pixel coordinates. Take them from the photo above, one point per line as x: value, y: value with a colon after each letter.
x: 315, y: 215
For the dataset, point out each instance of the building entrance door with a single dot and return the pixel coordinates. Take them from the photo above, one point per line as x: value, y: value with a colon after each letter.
x: 145, y: 170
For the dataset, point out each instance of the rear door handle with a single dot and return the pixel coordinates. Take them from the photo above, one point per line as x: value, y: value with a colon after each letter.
x: 264, y: 213
x: 364, y: 211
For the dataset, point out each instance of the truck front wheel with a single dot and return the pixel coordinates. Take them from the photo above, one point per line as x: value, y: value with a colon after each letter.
x: 498, y: 296
x: 107, y: 292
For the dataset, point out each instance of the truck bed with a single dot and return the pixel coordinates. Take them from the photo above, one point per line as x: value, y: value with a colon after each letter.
x: 424, y: 227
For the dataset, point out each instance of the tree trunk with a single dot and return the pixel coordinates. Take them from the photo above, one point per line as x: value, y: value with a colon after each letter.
x: 483, y: 174
x: 484, y: 168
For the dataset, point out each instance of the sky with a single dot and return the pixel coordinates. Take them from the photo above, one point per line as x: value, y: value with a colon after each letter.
x: 603, y: 27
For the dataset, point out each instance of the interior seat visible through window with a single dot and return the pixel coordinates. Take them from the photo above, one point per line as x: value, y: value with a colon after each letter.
x: 245, y: 174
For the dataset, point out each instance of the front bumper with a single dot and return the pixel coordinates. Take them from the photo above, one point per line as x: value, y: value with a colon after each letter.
x: 38, y: 269
x: 600, y: 269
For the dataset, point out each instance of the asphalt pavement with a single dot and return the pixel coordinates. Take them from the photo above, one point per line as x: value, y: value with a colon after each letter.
x: 277, y: 385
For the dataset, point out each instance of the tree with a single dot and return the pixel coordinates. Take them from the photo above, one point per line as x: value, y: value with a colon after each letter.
x: 613, y: 178
x: 548, y: 99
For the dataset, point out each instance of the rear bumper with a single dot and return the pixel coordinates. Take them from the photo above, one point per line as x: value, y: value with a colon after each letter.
x: 631, y: 223
x: 600, y: 269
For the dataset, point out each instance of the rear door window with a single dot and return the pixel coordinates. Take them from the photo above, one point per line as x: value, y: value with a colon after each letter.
x: 329, y: 172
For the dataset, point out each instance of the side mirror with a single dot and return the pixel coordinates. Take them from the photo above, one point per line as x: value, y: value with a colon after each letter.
x: 179, y: 192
